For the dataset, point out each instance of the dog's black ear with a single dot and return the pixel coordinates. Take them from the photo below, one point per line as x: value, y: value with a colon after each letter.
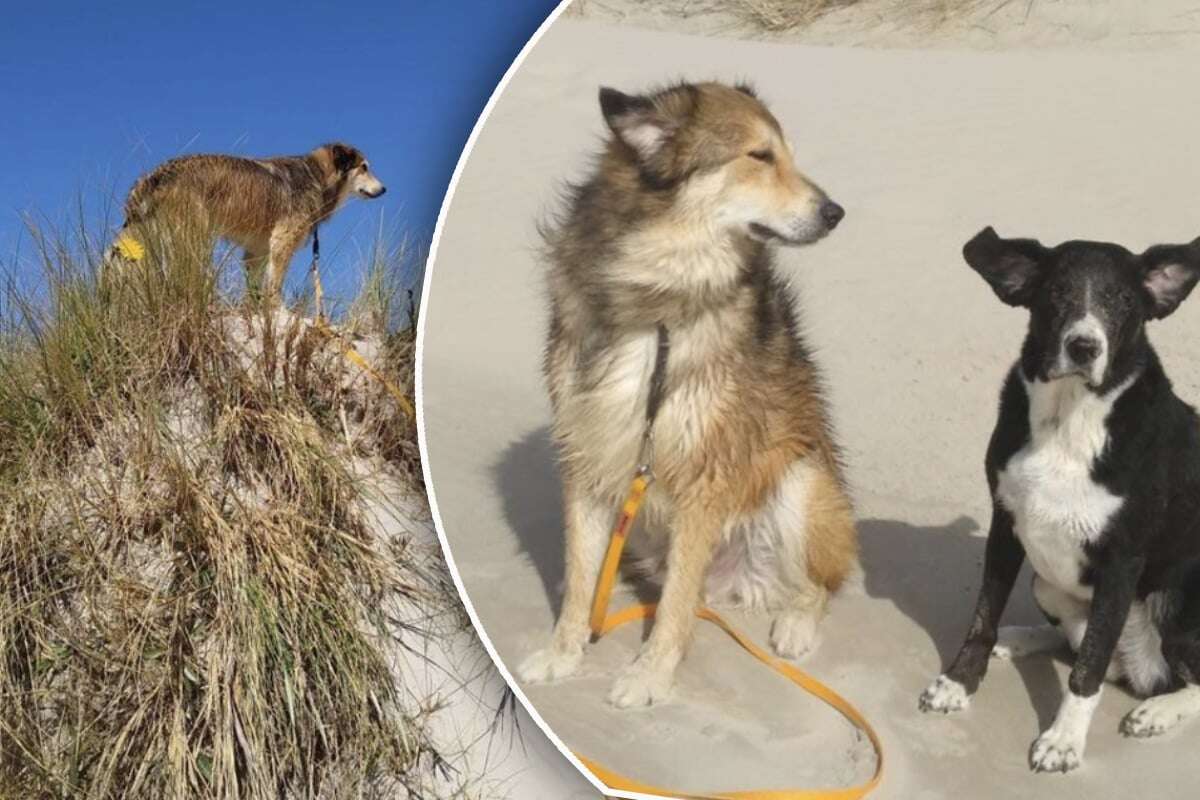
x: 1170, y: 272
x: 345, y: 158
x: 637, y: 121
x: 1012, y: 267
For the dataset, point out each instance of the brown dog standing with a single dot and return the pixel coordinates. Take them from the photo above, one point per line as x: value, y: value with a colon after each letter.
x: 266, y: 206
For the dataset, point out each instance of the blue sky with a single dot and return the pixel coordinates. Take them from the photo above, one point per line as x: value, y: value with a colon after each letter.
x: 96, y: 93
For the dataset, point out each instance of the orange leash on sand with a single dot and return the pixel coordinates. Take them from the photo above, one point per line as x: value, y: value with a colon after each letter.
x: 602, y: 622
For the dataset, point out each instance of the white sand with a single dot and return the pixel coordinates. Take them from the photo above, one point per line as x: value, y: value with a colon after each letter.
x: 923, y: 149
x: 494, y: 751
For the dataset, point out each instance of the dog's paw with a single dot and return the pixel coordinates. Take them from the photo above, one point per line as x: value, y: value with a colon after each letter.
x: 550, y: 664
x: 1056, y: 751
x: 1154, y: 717
x: 945, y: 696
x: 793, y: 634
x: 638, y: 686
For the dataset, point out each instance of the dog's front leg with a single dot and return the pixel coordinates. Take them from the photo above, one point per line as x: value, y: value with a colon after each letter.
x: 648, y: 680
x: 588, y: 520
x: 1001, y: 563
x: 1060, y: 748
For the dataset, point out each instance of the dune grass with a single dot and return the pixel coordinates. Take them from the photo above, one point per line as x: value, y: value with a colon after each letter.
x: 781, y: 16
x: 773, y: 17
x: 194, y: 602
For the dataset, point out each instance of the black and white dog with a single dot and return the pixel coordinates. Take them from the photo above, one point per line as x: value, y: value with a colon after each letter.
x: 1094, y: 470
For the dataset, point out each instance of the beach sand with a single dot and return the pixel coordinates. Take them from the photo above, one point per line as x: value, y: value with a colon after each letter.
x: 923, y: 148
x: 494, y: 751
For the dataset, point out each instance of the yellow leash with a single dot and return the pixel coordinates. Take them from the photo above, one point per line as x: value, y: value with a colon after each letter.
x: 602, y: 622
x: 356, y: 358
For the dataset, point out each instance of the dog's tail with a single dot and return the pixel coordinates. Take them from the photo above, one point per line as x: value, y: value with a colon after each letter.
x: 140, y: 201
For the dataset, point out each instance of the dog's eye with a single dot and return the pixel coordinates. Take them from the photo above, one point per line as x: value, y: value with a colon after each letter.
x: 765, y: 156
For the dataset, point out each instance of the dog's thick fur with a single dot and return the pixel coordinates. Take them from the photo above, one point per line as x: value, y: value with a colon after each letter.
x: 267, y: 206
x: 1094, y: 469
x: 750, y: 507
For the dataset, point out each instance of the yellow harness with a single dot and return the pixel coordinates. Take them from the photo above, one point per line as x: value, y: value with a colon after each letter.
x: 602, y: 622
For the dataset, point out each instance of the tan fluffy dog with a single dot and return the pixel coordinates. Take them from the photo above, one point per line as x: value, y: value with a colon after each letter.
x: 675, y: 228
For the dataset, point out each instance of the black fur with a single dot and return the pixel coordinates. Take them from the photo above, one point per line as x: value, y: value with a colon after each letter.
x: 1151, y: 460
x: 345, y: 157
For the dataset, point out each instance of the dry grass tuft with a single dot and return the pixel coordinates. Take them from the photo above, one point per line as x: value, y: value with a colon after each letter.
x: 773, y: 17
x: 777, y: 16
x: 196, y: 599
x: 781, y: 16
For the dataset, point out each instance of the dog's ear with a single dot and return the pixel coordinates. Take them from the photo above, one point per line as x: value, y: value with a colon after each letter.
x: 1012, y: 267
x: 1169, y: 274
x: 637, y: 121
x: 345, y: 158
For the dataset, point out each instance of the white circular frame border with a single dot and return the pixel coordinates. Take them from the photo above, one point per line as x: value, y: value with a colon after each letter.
x: 420, y: 403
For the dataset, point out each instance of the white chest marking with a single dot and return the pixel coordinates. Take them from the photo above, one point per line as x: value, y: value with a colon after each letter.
x: 1047, y: 486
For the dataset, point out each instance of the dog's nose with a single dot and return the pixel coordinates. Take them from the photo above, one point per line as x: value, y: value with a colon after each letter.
x: 832, y: 213
x: 1082, y: 350
x: 382, y: 189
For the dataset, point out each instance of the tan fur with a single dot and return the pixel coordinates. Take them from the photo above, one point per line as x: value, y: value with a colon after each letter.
x: 268, y: 207
x: 832, y: 543
x: 670, y: 231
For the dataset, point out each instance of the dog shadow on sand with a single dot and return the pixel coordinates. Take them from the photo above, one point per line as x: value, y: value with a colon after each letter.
x: 930, y: 574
